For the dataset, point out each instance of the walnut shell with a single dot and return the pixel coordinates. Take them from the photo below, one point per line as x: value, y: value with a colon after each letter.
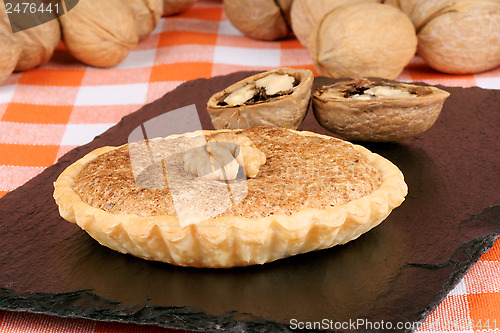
x: 357, y: 41
x: 285, y: 110
x: 406, y: 6
x: 306, y: 14
x: 422, y: 11
x: 38, y: 44
x: 100, y: 33
x: 286, y: 9
x: 10, y: 50
x: 425, y: 10
x: 463, y: 38
x: 9, y: 53
x: 341, y: 109
x: 147, y: 14
x: 258, y: 19
x: 173, y: 7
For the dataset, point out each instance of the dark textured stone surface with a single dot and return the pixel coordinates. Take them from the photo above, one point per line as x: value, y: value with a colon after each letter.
x: 397, y: 272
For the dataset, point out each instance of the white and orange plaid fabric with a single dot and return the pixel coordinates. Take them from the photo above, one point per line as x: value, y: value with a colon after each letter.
x: 48, y: 111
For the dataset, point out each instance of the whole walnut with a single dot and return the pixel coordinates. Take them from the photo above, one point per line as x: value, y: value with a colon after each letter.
x: 306, y: 14
x: 458, y: 36
x: 9, y: 53
x: 147, y: 14
x: 422, y: 11
x: 406, y: 6
x: 37, y: 44
x: 100, y: 33
x: 286, y: 9
x: 363, y: 40
x: 258, y: 19
x: 172, y: 7
x: 10, y: 50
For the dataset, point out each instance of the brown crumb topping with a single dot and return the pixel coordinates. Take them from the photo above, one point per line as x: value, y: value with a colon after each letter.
x: 300, y: 172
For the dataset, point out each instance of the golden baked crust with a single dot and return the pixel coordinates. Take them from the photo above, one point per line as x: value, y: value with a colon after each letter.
x: 336, y: 192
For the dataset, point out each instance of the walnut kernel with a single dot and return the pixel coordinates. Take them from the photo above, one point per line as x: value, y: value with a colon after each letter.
x: 221, y: 158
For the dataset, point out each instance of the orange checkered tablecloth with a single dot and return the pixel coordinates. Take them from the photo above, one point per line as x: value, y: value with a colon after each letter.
x: 48, y: 111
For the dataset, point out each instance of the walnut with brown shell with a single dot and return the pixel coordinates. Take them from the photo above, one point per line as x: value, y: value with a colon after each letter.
x: 305, y: 15
x: 37, y: 44
x: 456, y: 36
x: 260, y: 19
x: 100, y: 33
x: 174, y: 7
x: 406, y: 6
x: 10, y: 50
x: 147, y: 14
x: 377, y: 109
x: 363, y: 39
x: 461, y: 38
x: 274, y: 98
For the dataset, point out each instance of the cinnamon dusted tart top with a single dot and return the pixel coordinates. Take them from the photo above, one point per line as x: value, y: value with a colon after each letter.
x: 300, y: 171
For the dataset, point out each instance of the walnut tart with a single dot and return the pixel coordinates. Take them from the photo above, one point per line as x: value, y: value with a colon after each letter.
x: 229, y: 198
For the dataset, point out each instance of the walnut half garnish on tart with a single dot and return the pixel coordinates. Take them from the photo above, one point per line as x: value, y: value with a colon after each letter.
x: 274, y: 98
x: 377, y: 109
x: 313, y: 192
x: 222, y: 157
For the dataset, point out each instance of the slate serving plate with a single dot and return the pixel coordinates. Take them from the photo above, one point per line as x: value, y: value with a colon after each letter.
x: 397, y: 272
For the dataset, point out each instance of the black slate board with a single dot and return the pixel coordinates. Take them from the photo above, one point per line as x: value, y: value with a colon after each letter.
x: 397, y: 272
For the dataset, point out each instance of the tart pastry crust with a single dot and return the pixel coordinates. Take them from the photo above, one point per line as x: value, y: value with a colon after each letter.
x: 231, y: 240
